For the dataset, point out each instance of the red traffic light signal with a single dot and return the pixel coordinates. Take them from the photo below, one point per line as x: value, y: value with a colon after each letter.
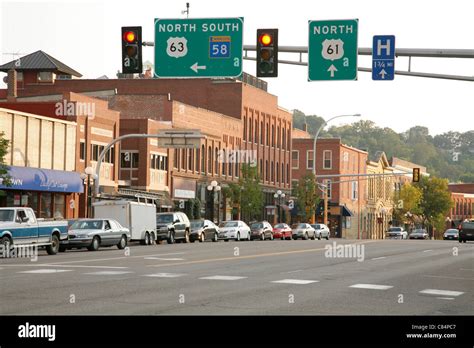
x: 132, y: 50
x: 267, y: 52
x: 130, y: 36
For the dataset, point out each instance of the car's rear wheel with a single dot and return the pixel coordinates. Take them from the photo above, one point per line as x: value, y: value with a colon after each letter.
x: 238, y: 236
x: 171, y: 237
x: 6, y: 242
x: 319, y: 235
x: 53, y: 248
x: 248, y: 236
x: 186, y: 237
x: 152, y: 238
x: 306, y: 236
x: 94, y: 245
x: 262, y: 236
x: 122, y: 243
x: 147, y: 239
x: 327, y: 236
x: 271, y: 236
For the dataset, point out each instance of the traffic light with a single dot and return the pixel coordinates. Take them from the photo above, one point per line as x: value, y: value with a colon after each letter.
x: 416, y: 174
x: 132, y: 50
x: 267, y: 52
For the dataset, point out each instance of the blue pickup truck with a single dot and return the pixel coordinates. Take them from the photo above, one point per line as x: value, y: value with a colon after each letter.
x: 20, y: 227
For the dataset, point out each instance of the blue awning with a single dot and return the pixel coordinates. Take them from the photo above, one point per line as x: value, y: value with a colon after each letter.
x: 346, y: 211
x: 37, y: 179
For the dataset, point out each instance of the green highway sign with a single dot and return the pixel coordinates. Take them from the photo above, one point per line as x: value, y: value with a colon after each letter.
x: 202, y: 47
x: 332, y: 50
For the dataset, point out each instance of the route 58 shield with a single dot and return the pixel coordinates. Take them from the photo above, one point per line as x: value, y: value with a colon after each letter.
x: 333, y: 49
x: 177, y: 47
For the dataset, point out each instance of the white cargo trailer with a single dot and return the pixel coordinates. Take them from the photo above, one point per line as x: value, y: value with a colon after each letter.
x: 138, y: 217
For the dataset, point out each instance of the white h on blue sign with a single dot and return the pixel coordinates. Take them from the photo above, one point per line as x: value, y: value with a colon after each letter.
x: 383, y: 57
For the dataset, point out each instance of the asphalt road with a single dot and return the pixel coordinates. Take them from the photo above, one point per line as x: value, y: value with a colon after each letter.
x: 388, y: 277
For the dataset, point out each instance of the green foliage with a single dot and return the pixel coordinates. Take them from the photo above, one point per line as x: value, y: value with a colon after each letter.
x: 4, y: 177
x: 251, y: 196
x: 449, y: 155
x: 307, y: 196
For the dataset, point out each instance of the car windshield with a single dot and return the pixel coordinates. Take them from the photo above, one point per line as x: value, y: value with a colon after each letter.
x: 165, y: 218
x: 231, y: 224
x: 7, y: 215
x: 256, y: 225
x: 316, y: 226
x: 452, y: 231
x: 197, y: 223
x: 419, y: 231
x: 298, y: 226
x: 394, y: 229
x: 87, y: 225
x: 280, y: 226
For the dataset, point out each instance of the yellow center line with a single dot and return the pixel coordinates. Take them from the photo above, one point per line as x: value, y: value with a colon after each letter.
x: 250, y: 256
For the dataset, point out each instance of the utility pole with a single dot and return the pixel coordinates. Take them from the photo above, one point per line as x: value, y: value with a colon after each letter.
x: 186, y: 11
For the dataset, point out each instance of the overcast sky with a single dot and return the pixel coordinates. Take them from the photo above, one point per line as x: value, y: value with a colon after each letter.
x: 86, y: 36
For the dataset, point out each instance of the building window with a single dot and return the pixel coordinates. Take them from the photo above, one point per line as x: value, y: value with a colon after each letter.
x: 262, y: 133
x: 288, y: 139
x: 216, y: 160
x: 203, y: 159
x: 283, y: 142
x: 190, y: 159
x: 277, y: 172
x: 273, y: 172
x: 282, y: 173
x: 250, y: 130
x: 295, y: 159
x: 231, y: 167
x: 45, y: 76
x: 329, y: 188
x: 256, y: 132
x: 176, y: 158
x: 273, y: 135
x: 245, y: 128
x: 46, y: 205
x: 197, y: 159
x: 237, y: 169
x: 355, y: 187
x: 268, y: 135
x: 261, y: 170
x: 224, y: 168
x: 309, y: 159
x: 287, y: 173
x: 278, y: 137
x: 59, y: 206
x: 266, y: 171
x: 209, y: 160
x: 82, y: 151
x: 135, y: 159
x: 183, y: 159
x: 327, y: 158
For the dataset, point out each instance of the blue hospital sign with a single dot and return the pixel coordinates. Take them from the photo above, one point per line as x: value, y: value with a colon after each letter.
x: 383, y: 57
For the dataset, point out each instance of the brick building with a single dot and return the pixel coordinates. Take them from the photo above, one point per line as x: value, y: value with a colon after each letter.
x: 462, y: 196
x: 347, y: 197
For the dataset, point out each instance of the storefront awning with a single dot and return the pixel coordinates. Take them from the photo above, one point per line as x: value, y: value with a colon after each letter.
x: 346, y: 211
x: 38, y: 179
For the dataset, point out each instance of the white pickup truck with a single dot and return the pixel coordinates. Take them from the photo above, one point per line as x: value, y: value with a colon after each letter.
x: 19, y: 226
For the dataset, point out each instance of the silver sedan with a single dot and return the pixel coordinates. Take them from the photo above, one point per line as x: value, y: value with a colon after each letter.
x: 304, y: 231
x: 94, y: 233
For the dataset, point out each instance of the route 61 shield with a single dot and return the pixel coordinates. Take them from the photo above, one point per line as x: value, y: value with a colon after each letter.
x: 177, y: 47
x: 332, y: 49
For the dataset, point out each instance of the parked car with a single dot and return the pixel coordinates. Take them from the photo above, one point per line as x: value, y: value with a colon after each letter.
x: 322, y: 231
x: 419, y: 233
x: 202, y: 230
x: 466, y: 232
x: 261, y: 230
x: 96, y: 233
x: 172, y: 227
x: 138, y: 217
x: 397, y: 233
x: 304, y: 231
x: 451, y: 233
x: 19, y: 226
x: 235, y: 229
x: 282, y: 231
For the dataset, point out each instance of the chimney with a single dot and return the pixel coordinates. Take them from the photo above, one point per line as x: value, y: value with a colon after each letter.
x: 305, y: 127
x: 12, y: 85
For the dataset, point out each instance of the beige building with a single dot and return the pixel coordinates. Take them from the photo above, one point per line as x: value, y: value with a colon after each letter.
x: 380, y: 192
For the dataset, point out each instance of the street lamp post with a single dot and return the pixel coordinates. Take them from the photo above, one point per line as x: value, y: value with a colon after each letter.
x: 88, y: 177
x: 314, y: 162
x: 279, y: 196
x: 213, y: 188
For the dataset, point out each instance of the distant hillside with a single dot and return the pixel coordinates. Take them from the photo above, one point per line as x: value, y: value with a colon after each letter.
x: 448, y: 155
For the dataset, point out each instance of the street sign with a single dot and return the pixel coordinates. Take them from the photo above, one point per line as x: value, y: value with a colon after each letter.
x: 383, y: 57
x: 204, y: 47
x: 332, y: 50
x: 180, y: 138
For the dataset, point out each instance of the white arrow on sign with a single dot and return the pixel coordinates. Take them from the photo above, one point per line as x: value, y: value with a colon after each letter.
x: 383, y: 73
x: 195, y: 67
x: 332, y: 69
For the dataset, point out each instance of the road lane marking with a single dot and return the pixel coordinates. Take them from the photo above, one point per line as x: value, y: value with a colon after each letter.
x: 164, y: 259
x: 218, y: 277
x: 165, y: 275
x: 467, y: 269
x: 116, y: 258
x: 47, y: 271
x: 295, y: 281
x: 379, y: 258
x: 441, y: 292
x: 445, y: 298
x: 81, y: 266
x: 427, y: 251
x: 298, y: 270
x: 371, y: 286
x: 233, y: 258
x: 108, y: 273
x: 447, y: 277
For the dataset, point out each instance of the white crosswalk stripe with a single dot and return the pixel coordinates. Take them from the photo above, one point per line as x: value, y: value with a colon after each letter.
x: 108, y: 273
x: 218, y: 277
x: 441, y: 292
x: 371, y: 286
x: 46, y: 271
x: 165, y: 275
x: 295, y: 281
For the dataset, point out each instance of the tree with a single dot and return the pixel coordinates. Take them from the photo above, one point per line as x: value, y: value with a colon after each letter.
x: 405, y: 201
x: 307, y: 196
x: 4, y: 177
x: 251, y: 196
x: 233, y: 193
x: 435, y: 202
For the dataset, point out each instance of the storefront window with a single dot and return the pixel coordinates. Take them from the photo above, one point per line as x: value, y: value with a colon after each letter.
x: 46, y: 201
x: 59, y: 206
